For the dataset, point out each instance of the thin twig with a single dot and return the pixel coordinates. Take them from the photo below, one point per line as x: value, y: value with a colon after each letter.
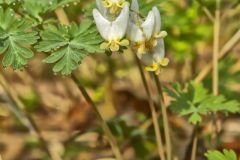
x: 153, y: 110
x: 165, y: 117
x: 226, y: 48
x: 103, y: 124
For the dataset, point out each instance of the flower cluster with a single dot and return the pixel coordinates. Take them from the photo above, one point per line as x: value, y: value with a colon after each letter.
x: 121, y: 26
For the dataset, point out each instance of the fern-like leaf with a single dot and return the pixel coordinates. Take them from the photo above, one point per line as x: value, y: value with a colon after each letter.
x: 194, y: 101
x: 15, y: 39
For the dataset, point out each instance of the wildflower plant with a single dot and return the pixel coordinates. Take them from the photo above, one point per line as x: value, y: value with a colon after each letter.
x: 30, y: 27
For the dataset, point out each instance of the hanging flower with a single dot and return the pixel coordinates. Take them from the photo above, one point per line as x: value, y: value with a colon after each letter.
x: 155, y: 61
x: 144, y: 34
x: 147, y: 38
x: 113, y: 32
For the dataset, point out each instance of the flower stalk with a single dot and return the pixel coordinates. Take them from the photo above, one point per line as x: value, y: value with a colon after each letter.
x: 165, y: 117
x: 106, y: 129
x: 153, y: 110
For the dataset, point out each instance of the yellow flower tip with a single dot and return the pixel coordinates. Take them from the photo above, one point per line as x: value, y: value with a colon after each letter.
x: 141, y: 49
x: 157, y: 67
x: 104, y: 45
x: 124, y: 42
x: 164, y: 62
x: 114, y: 47
x: 106, y: 3
x: 151, y: 68
x: 162, y: 34
x: 121, y: 3
x: 114, y: 9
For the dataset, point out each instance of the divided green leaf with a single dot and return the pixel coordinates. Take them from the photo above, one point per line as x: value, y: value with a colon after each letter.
x: 225, y: 155
x: 35, y: 8
x: 69, y: 45
x: 194, y: 101
x: 15, y: 39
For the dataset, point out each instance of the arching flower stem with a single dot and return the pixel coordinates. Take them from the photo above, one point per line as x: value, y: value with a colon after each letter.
x: 152, y: 108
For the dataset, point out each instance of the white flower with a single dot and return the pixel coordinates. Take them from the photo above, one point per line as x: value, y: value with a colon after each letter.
x: 144, y: 33
x: 112, y: 31
x: 148, y: 38
x: 155, y: 61
x: 114, y: 6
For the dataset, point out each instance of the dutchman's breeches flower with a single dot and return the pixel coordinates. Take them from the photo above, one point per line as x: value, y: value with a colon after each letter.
x: 147, y: 38
x: 113, y: 31
x: 155, y: 60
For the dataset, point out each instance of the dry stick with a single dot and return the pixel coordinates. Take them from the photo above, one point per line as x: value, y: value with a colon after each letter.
x: 28, y: 120
x: 63, y: 19
x: 215, y: 73
x: 104, y: 125
x: 226, y: 48
x: 165, y: 117
x: 153, y: 110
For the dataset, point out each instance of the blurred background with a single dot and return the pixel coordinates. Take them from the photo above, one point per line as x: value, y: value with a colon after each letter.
x: 69, y: 125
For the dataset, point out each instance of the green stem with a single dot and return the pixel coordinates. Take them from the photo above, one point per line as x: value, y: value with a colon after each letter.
x: 165, y: 117
x: 194, y: 143
x: 153, y: 110
x: 106, y: 129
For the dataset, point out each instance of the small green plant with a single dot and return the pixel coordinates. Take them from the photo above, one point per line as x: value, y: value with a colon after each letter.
x: 194, y: 101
